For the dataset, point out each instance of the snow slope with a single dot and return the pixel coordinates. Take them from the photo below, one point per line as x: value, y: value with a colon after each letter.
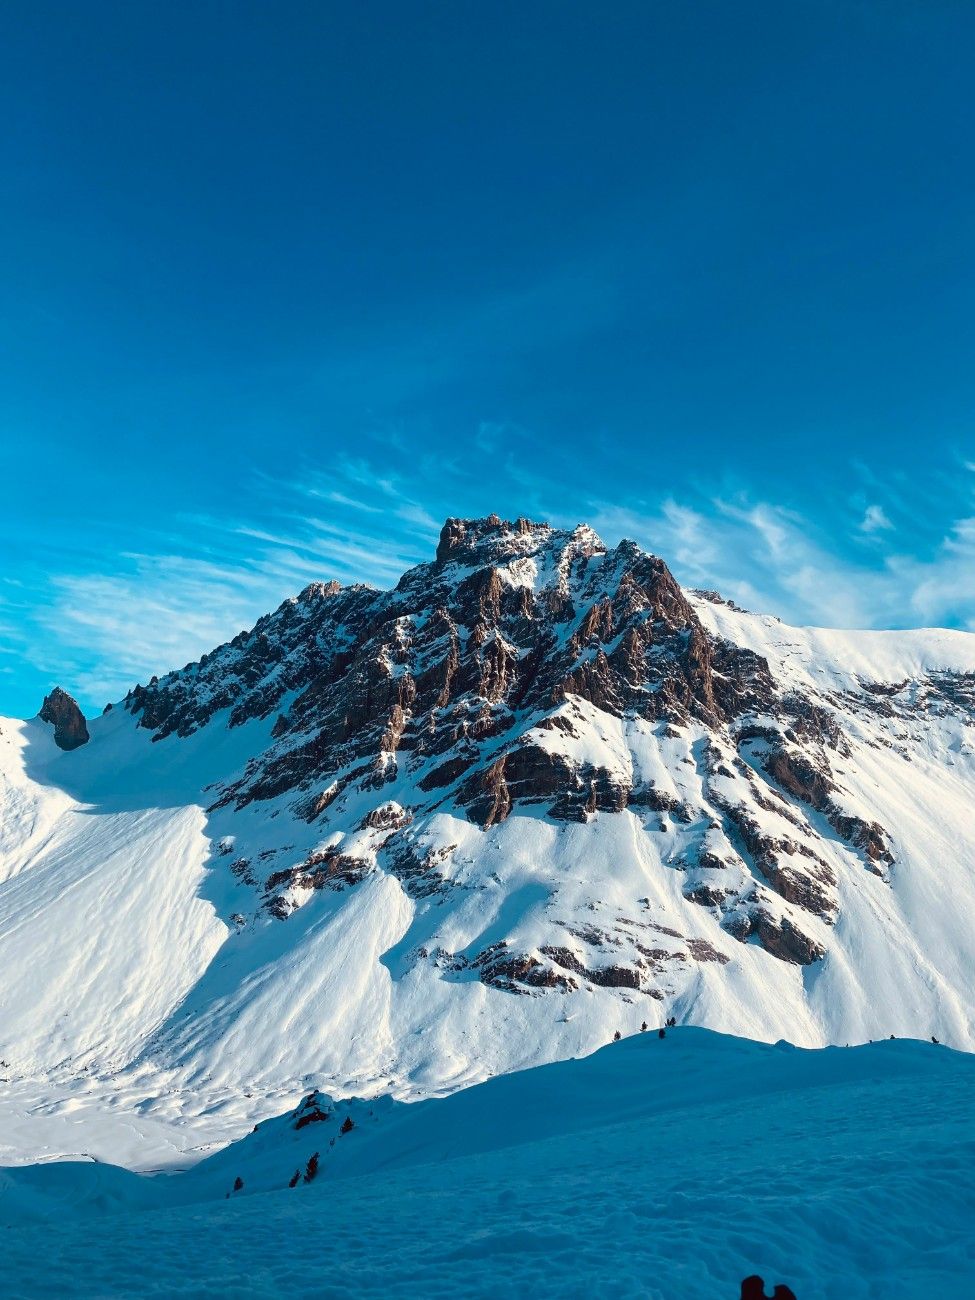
x: 698, y: 812
x: 651, y: 1169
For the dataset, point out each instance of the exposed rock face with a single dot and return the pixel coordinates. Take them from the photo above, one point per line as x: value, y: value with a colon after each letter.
x: 462, y: 645
x: 478, y: 685
x: 61, y: 710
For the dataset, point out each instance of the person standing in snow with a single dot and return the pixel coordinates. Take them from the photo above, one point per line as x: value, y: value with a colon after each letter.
x: 753, y: 1288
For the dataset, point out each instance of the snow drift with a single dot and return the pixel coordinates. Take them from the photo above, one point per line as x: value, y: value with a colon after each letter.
x: 654, y: 1168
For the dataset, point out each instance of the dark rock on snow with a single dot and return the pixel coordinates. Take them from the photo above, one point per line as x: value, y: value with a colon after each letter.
x: 62, y: 711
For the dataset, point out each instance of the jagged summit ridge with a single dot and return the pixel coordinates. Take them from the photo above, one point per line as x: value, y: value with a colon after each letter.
x: 507, y: 613
x: 496, y: 540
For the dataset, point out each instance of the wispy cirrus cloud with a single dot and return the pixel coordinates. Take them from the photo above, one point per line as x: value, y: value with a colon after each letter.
x: 146, y: 611
x: 875, y: 520
x: 157, y: 609
x: 775, y: 559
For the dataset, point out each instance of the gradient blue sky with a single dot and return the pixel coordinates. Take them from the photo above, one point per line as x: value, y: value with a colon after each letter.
x: 286, y: 284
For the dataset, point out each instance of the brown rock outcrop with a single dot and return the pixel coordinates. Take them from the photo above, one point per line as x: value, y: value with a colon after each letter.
x: 62, y: 712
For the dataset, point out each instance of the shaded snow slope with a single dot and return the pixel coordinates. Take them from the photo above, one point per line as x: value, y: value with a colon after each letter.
x: 402, y: 842
x: 651, y: 1169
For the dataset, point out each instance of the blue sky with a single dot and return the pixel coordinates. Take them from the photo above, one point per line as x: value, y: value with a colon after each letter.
x: 285, y: 285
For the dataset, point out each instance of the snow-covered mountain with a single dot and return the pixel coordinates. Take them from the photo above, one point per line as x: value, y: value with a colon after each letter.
x: 403, y: 841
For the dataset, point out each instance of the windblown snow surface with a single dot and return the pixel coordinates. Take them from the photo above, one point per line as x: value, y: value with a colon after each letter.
x: 654, y: 1169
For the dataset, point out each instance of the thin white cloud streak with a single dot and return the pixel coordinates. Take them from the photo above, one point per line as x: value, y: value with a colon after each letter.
x: 340, y: 499
x: 875, y: 520
x: 162, y: 612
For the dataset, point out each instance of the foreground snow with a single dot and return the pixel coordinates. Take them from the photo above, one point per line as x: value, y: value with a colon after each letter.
x: 651, y: 1169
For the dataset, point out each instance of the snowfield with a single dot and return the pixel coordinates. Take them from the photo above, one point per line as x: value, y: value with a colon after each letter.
x: 652, y: 1169
x: 150, y: 1013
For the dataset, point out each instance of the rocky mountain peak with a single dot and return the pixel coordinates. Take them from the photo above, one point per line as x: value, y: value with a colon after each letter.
x: 497, y: 541
x: 62, y: 711
x: 319, y: 591
x: 509, y: 616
